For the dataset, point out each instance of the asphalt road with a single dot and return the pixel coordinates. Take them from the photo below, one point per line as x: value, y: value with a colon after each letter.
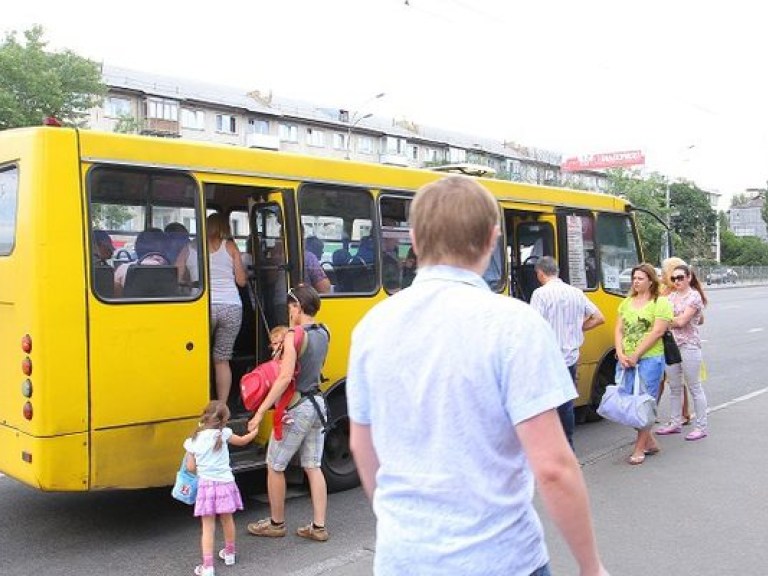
x: 696, y: 508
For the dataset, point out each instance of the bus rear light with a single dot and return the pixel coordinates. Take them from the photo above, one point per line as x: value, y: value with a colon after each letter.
x: 27, y: 411
x: 27, y: 457
x: 26, y: 366
x: 26, y: 343
x: 26, y: 388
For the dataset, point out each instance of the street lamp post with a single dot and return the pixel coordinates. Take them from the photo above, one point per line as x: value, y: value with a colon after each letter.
x: 357, y: 118
x: 354, y: 123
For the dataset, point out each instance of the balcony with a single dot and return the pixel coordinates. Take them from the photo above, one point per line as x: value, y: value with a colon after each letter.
x: 161, y: 127
x: 394, y: 159
x: 264, y: 141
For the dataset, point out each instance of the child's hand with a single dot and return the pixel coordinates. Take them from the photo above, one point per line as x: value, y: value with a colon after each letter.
x: 253, y: 423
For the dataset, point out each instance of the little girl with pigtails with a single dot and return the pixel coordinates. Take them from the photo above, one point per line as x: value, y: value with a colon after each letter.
x: 217, y: 494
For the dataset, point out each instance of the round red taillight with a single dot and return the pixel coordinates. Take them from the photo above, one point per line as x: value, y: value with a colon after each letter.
x: 26, y: 388
x: 27, y: 410
x: 26, y: 343
x: 26, y: 366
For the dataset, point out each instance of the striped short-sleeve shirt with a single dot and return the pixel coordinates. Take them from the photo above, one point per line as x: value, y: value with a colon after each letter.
x: 565, y: 308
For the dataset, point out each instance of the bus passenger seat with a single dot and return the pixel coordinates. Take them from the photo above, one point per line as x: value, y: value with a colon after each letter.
x: 104, y: 281
x: 151, y: 281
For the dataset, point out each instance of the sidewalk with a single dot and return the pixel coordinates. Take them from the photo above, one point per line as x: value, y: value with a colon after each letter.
x: 696, y: 508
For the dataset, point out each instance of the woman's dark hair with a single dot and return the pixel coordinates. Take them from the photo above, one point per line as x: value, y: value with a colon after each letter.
x: 306, y: 297
x: 694, y: 281
x: 177, y: 237
x: 151, y: 240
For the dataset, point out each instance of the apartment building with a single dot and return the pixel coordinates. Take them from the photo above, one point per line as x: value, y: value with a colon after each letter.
x: 180, y: 108
x: 747, y: 219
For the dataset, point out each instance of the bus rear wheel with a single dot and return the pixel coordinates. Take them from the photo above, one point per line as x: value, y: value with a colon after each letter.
x: 338, y: 465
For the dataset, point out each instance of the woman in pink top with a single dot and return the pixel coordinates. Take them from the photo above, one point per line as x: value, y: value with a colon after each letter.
x: 226, y: 272
x: 688, y: 301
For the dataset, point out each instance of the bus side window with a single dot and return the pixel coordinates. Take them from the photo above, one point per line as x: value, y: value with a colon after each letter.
x: 151, y: 220
x: 398, y: 259
x: 535, y: 239
x: 340, y: 220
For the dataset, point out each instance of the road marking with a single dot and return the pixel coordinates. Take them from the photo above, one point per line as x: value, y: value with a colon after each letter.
x: 752, y: 330
x: 738, y: 400
x: 328, y: 566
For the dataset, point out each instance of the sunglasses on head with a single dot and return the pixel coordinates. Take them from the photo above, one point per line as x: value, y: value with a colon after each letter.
x: 678, y: 278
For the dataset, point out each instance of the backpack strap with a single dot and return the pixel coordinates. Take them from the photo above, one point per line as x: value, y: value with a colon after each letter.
x: 314, y: 391
x: 282, y: 404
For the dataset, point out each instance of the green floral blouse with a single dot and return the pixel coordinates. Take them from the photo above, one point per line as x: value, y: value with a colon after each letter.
x: 637, y: 322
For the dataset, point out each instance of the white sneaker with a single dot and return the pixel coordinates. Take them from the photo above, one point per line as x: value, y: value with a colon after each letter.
x: 229, y: 559
x: 201, y: 570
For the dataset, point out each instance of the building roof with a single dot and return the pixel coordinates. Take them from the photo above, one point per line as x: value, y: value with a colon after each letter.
x: 278, y: 106
x: 182, y: 89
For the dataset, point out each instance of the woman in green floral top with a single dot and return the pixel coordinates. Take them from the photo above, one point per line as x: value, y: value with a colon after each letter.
x: 643, y: 318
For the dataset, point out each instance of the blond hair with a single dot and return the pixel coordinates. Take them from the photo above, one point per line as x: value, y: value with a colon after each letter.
x: 278, y: 331
x: 667, y: 267
x: 452, y: 220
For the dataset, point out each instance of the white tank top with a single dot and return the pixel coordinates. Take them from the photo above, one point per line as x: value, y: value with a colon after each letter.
x: 222, y: 270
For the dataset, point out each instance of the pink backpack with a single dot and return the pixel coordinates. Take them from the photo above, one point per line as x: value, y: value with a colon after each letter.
x: 255, y: 385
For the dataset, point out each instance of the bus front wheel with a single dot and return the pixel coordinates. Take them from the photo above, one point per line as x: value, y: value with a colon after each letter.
x: 605, y: 377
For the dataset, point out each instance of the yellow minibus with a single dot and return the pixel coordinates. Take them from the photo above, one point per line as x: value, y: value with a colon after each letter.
x: 105, y: 361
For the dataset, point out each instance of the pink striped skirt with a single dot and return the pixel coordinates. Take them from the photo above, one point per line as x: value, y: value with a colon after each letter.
x: 217, y: 498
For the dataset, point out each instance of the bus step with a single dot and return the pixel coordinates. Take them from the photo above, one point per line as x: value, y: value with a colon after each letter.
x: 253, y: 457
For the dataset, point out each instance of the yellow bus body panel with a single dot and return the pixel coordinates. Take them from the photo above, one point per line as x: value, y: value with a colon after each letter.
x: 47, y: 255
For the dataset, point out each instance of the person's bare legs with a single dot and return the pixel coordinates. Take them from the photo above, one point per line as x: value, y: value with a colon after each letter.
x: 223, y: 375
x: 318, y: 491
x: 228, y: 527
x: 645, y: 443
x: 276, y: 493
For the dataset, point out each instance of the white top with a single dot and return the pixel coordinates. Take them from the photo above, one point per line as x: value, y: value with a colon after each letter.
x: 222, y: 270
x: 565, y: 307
x: 191, y: 263
x: 211, y: 464
x: 454, y: 489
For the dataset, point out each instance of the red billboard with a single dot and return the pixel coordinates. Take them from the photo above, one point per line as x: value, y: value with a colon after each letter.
x: 600, y: 161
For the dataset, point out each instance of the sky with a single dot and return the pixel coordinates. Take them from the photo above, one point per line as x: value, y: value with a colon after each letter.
x: 682, y: 81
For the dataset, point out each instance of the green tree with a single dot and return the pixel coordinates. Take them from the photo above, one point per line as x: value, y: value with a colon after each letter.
x: 127, y: 124
x: 742, y: 250
x: 35, y: 84
x: 110, y: 216
x: 648, y: 193
x: 694, y: 222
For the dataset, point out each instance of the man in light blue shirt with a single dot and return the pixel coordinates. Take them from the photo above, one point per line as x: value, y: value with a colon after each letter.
x: 452, y: 391
x: 570, y: 313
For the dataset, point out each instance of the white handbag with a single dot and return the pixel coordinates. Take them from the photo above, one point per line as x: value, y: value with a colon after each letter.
x: 637, y: 410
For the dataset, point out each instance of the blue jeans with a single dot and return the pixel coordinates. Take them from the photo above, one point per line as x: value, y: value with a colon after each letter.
x: 543, y: 571
x: 566, y: 413
x: 651, y: 370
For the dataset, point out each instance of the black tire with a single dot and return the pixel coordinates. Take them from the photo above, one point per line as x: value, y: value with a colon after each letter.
x: 605, y: 377
x: 338, y: 465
